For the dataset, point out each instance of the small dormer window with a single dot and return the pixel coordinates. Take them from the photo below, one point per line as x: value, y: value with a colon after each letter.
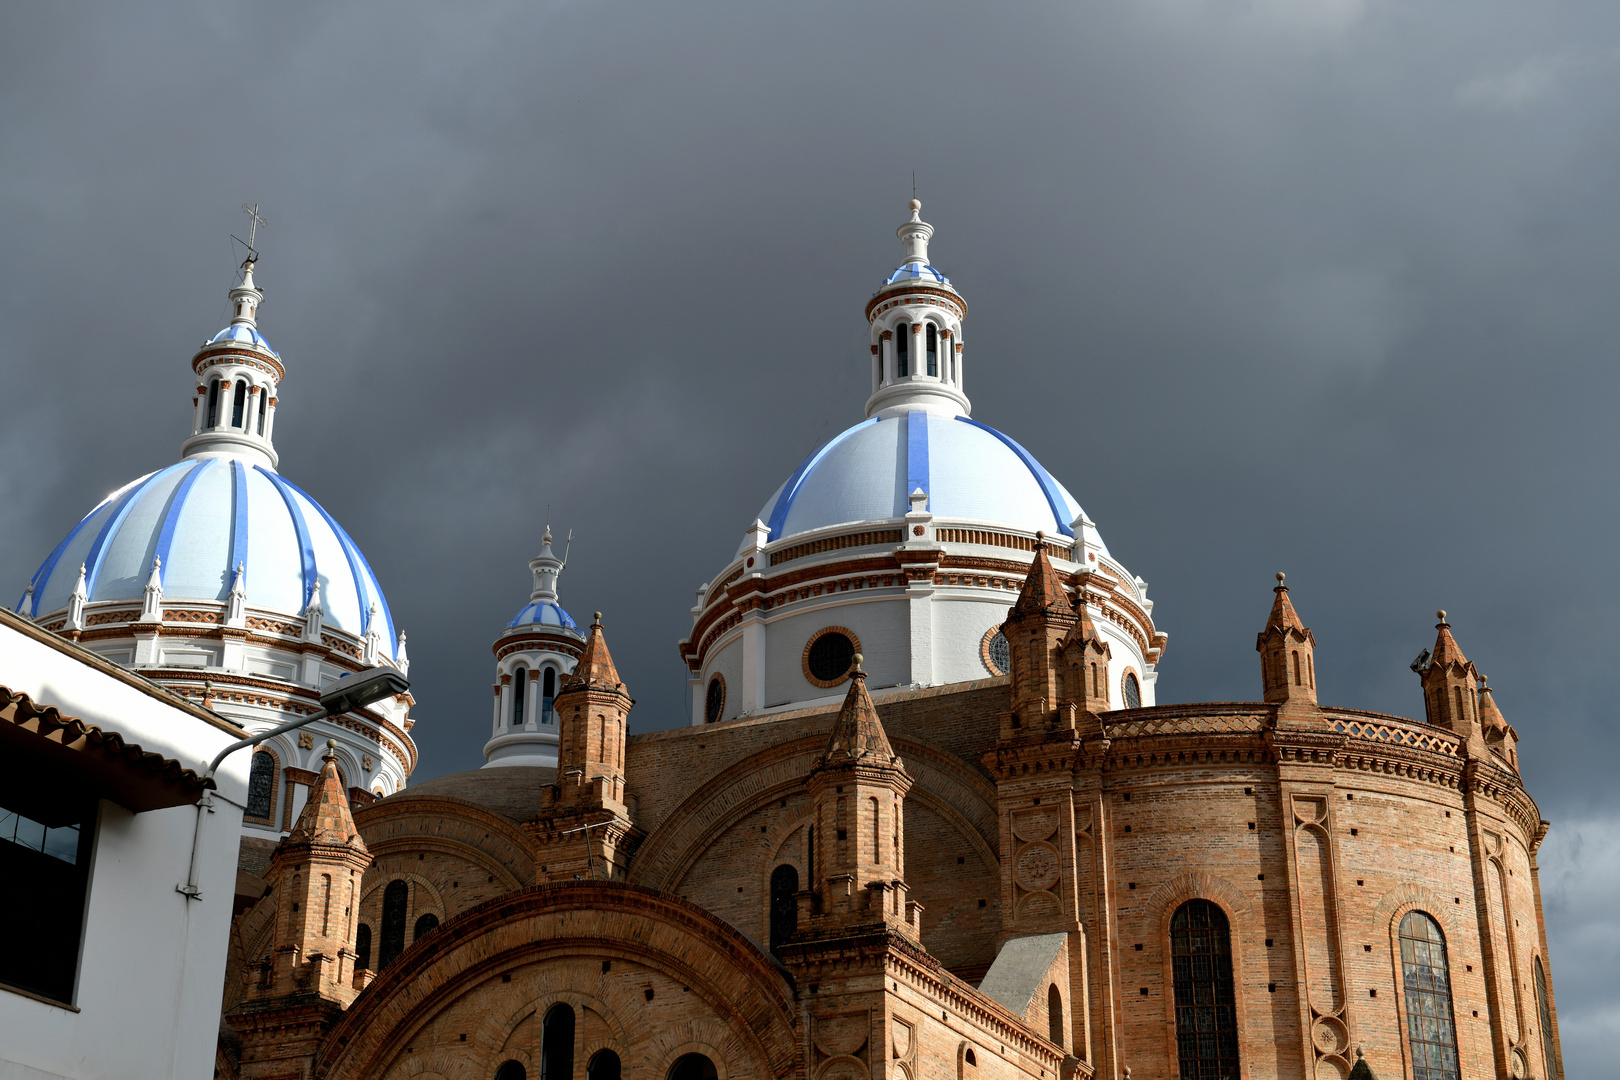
x: 933, y: 350
x: 902, y: 350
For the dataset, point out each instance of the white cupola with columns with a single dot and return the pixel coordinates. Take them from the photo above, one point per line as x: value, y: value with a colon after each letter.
x: 533, y: 656
x: 916, y: 327
x: 234, y: 411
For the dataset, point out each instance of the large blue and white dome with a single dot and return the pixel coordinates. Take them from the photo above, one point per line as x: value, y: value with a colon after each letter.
x: 968, y: 470
x: 201, y: 518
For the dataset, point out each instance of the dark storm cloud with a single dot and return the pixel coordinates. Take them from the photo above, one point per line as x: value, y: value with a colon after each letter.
x: 1326, y: 288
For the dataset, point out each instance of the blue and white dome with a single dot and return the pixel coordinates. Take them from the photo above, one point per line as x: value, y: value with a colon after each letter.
x: 916, y: 271
x: 968, y: 470
x: 246, y: 335
x: 203, y: 517
x: 543, y: 613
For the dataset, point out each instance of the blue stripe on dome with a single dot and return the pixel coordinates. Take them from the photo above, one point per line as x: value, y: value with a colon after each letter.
x: 917, y: 453
x: 364, y: 579
x: 534, y: 615
x: 43, y: 574
x: 98, y: 549
x: 784, y: 501
x: 306, y: 549
x: 915, y: 271
x: 176, y: 502
x: 239, y: 520
x: 1054, y: 496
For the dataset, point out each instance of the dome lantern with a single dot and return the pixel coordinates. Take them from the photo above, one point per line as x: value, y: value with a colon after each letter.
x: 234, y: 410
x: 916, y: 333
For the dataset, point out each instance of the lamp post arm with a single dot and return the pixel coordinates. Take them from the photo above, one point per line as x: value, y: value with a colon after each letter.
x: 205, y: 805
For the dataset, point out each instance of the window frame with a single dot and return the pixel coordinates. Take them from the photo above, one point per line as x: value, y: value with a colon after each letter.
x: 89, y: 816
x: 1240, y: 924
x: 804, y: 657
x: 1124, y: 680
x: 715, y: 679
x: 1447, y: 936
x: 269, y: 819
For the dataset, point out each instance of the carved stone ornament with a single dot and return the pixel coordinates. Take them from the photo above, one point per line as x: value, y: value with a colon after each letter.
x: 1035, y: 824
x: 1037, y: 868
x: 842, y: 1034
x: 306, y: 740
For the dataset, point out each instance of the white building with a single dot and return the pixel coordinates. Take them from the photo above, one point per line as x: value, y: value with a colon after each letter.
x: 904, y: 538
x: 219, y: 579
x: 110, y: 970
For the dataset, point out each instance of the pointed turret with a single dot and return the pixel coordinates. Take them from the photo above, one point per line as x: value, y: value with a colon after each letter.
x: 916, y: 332
x: 76, y: 602
x: 1287, y: 653
x: 313, y: 614
x: 25, y: 606
x: 1035, y: 628
x: 1499, y: 734
x: 1450, y: 694
x: 236, y: 608
x: 585, y: 827
x: 315, y: 874
x: 858, y: 787
x: 402, y: 659
x: 1085, y: 663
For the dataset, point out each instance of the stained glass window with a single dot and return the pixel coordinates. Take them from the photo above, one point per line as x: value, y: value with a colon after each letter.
x: 1206, y: 1013
x: 1000, y: 654
x: 1425, y: 977
x: 1133, y: 691
x: 261, y: 785
x: 1549, y: 1051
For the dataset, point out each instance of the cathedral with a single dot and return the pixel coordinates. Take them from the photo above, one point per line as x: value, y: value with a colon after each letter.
x: 927, y: 820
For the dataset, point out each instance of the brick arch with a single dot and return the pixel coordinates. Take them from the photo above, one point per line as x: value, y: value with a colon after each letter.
x: 744, y: 1003
x: 1393, y: 906
x: 523, y: 1001
x: 943, y: 782
x: 452, y: 827
x: 1200, y: 885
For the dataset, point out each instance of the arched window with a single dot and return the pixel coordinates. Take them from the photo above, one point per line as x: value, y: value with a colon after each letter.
x: 1206, y: 1013
x: 1133, y: 691
x: 557, y: 1044
x: 512, y: 1070
x: 1549, y: 1051
x: 1426, y: 982
x: 238, y: 404
x: 362, y: 946
x: 1297, y: 680
x: 520, y: 690
x: 932, y: 334
x: 548, y: 691
x: 902, y: 350
x: 396, y: 897
x: 264, y: 407
x: 714, y: 702
x: 213, y: 402
x: 1054, y: 1015
x: 784, y: 904
x: 604, y: 1065
x: 261, y: 786
x: 425, y: 925
x: 692, y: 1067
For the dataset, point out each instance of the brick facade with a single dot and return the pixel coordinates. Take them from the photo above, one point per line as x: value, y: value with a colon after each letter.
x: 1033, y: 817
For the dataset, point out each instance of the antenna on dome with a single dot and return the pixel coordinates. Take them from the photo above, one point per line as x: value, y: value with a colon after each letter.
x: 566, y: 545
x: 253, y: 229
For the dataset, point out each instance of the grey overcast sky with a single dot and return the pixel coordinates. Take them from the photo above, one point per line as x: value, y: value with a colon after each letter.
x: 1326, y: 287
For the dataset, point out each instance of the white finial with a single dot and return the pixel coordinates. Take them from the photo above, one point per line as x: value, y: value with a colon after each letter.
x: 236, y: 611
x: 76, y: 601
x: 26, y: 608
x: 402, y: 659
x: 546, y: 566
x: 374, y: 636
x: 914, y: 235
x: 312, y: 614
x: 152, y: 601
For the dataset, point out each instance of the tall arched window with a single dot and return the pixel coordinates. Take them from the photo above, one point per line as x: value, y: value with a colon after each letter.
x: 1206, y: 1011
x: 1133, y: 691
x: 425, y: 925
x: 1054, y: 1015
x: 604, y: 1065
x: 213, y: 402
x: 548, y: 691
x: 264, y: 407
x: 396, y: 898
x: 784, y: 904
x: 512, y: 1070
x: 557, y: 1044
x: 238, y: 404
x: 261, y: 786
x: 520, y: 690
x: 902, y: 350
x: 1426, y: 981
x: 932, y: 334
x: 1549, y: 1051
x: 362, y: 946
x: 692, y: 1067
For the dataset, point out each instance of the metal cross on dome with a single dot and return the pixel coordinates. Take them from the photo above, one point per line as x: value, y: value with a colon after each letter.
x: 253, y: 228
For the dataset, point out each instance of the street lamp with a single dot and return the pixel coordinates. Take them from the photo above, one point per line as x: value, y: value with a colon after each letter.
x: 353, y: 691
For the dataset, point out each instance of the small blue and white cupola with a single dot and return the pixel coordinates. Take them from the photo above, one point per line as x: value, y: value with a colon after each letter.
x: 234, y: 412
x: 916, y: 333
x: 534, y: 654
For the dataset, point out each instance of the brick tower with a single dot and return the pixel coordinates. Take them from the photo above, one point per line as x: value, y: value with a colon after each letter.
x: 1450, y: 691
x: 1037, y: 629
x: 584, y: 828
x: 295, y: 994
x: 859, y: 787
x: 1287, y: 648
x: 1085, y: 658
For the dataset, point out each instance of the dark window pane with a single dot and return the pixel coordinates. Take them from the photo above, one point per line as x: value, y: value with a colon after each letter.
x: 784, y: 904
x: 604, y: 1065
x: 557, y: 1044
x: 261, y: 785
x: 1201, y: 965
x: 425, y: 925
x: 395, y: 899
x: 830, y: 656
x: 714, y: 703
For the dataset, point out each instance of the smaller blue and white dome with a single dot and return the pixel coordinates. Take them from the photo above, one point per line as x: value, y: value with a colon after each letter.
x: 969, y: 471
x: 241, y: 332
x: 544, y: 613
x: 916, y: 271
x: 201, y: 518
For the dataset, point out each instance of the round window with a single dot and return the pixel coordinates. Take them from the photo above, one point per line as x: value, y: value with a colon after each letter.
x: 830, y: 656
x: 714, y: 705
x: 994, y: 653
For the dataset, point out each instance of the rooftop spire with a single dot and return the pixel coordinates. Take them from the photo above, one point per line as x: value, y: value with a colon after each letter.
x: 1043, y: 588
x: 1283, y: 615
x: 595, y: 663
x: 1446, y: 649
x: 325, y: 818
x: 857, y: 733
x: 914, y: 235
x: 546, y: 567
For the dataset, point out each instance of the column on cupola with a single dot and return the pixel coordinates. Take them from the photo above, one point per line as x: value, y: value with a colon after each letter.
x: 504, y: 709
x: 199, y: 408
x: 255, y: 400
x: 495, y: 722
x: 886, y: 343
x: 222, y: 411
x: 531, y: 697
